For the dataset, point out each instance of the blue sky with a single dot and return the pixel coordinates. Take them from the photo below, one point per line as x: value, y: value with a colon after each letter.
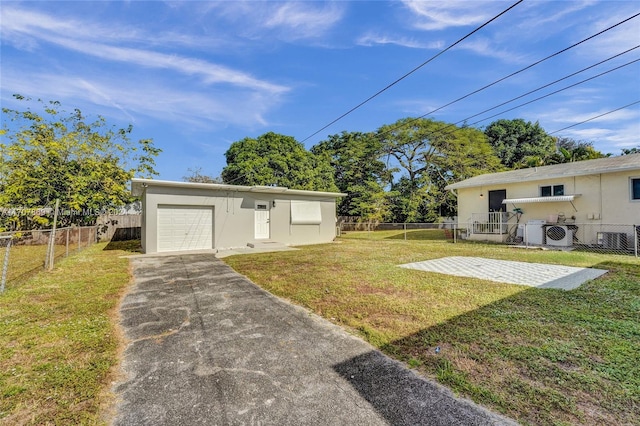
x: 196, y: 75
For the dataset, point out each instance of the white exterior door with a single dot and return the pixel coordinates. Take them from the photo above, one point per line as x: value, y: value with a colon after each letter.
x: 262, y: 220
x: 185, y: 228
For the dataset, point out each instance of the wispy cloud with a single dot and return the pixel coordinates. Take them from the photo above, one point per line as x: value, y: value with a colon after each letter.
x: 372, y: 39
x: 287, y: 21
x: 439, y: 15
x: 304, y: 19
x: 123, y: 99
x: 606, y: 137
x: 619, y: 129
x: 485, y: 47
x: 560, y: 13
x: 570, y: 116
x: 29, y: 29
x: 624, y: 36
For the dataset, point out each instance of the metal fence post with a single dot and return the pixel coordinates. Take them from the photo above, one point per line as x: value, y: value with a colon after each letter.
x: 52, y: 237
x: 67, y: 243
x: 404, y: 225
x: 5, y: 266
x: 79, y: 236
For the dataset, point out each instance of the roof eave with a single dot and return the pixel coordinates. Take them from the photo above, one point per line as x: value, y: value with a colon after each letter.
x: 138, y: 185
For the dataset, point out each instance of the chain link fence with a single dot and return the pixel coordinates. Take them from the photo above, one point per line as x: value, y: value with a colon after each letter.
x: 594, y: 237
x: 24, y: 253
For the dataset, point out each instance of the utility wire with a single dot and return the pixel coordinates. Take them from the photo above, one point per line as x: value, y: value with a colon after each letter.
x: 453, y: 125
x: 486, y: 86
x: 413, y: 70
x: 557, y: 91
x: 442, y: 131
x: 548, y: 84
x: 597, y: 116
x: 516, y: 72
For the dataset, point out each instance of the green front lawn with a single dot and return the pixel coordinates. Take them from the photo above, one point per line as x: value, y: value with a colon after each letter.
x: 59, y: 341
x: 539, y: 356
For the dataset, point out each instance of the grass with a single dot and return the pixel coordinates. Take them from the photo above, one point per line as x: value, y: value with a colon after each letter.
x: 58, y: 341
x: 539, y: 356
x: 27, y: 260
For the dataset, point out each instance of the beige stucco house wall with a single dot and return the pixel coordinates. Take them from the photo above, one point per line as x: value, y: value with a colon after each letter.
x: 593, y: 192
x: 224, y: 216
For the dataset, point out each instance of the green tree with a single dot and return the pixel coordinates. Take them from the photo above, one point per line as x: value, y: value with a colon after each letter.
x: 59, y: 155
x: 431, y: 154
x: 570, y: 150
x: 520, y: 143
x: 465, y: 154
x: 358, y: 172
x: 627, y: 151
x: 274, y: 159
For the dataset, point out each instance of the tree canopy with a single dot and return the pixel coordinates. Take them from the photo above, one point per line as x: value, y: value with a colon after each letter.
x: 570, y: 150
x: 358, y: 172
x: 274, y: 159
x: 519, y: 143
x: 53, y: 155
x: 431, y: 154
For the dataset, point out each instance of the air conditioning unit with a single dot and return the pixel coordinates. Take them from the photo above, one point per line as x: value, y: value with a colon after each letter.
x: 612, y: 240
x: 559, y: 236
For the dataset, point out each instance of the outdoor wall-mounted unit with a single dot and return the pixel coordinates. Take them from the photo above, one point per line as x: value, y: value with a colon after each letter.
x: 559, y: 236
x: 612, y: 240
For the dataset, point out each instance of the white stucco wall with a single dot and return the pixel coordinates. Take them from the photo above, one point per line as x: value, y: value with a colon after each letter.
x: 604, y: 198
x: 233, y: 213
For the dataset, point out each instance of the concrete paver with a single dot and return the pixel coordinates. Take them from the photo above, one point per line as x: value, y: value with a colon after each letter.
x: 207, y: 346
x: 505, y: 271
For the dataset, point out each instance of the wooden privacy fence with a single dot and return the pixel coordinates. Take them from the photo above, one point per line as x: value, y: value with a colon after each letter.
x: 120, y: 227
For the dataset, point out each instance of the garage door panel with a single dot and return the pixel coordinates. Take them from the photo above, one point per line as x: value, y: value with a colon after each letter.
x: 185, y: 228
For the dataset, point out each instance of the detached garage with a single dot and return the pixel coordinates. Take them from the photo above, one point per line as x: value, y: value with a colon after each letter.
x: 178, y: 216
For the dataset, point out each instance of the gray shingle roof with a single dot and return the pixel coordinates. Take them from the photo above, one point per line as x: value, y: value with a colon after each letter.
x: 578, y: 168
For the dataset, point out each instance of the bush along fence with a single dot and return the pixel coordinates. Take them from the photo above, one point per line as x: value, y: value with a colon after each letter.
x: 24, y: 253
x: 595, y: 237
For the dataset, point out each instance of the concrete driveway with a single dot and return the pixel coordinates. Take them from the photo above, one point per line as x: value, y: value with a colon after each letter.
x: 207, y: 346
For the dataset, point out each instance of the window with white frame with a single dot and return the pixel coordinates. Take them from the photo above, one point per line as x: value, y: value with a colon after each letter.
x: 635, y: 189
x: 551, y: 190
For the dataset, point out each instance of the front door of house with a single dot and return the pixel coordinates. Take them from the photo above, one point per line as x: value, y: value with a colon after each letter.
x: 495, y: 200
x: 262, y: 220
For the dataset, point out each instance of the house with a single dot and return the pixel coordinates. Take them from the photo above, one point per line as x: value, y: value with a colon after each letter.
x: 589, y: 200
x: 198, y: 216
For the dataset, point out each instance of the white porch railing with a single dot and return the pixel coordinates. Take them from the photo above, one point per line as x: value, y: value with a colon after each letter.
x: 489, y: 223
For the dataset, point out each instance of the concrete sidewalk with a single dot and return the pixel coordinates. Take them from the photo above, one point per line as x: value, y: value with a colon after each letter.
x: 207, y: 346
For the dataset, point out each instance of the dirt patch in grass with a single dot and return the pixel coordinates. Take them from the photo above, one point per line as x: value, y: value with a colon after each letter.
x: 539, y: 356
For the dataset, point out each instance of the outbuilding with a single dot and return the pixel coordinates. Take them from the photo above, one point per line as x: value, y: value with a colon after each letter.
x: 179, y: 216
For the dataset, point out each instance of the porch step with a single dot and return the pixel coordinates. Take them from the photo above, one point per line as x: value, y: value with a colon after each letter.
x: 266, y: 244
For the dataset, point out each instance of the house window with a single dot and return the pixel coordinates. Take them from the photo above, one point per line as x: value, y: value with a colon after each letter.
x: 635, y: 188
x: 551, y: 190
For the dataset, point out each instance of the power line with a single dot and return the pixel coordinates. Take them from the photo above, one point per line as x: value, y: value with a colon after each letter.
x: 557, y: 91
x: 453, y: 125
x: 596, y: 117
x: 413, y: 70
x: 518, y: 72
x: 549, y: 84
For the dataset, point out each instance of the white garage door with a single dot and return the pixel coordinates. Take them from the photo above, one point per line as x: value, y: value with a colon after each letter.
x: 185, y: 228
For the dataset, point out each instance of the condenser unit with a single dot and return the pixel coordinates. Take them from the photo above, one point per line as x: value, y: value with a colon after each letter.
x: 612, y: 240
x: 559, y: 235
